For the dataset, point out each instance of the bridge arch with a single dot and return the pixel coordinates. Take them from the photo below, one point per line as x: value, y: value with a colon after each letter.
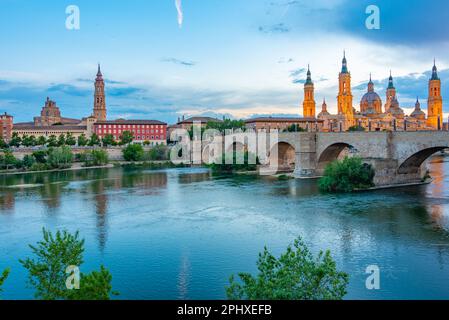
x: 283, y: 157
x: 332, y: 153
x: 237, y: 146
x: 412, y: 164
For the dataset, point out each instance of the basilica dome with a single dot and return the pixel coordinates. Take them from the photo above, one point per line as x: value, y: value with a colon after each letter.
x: 371, y: 104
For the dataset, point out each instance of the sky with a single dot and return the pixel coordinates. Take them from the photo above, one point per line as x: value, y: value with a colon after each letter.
x: 230, y: 58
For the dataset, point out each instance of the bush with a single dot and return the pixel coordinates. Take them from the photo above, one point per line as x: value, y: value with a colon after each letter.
x: 158, y: 153
x: 28, y: 161
x: 3, y: 277
x: 94, y: 158
x: 347, y: 175
x: 40, y: 156
x: 38, y: 167
x: 356, y: 128
x: 8, y: 161
x: 47, y: 269
x: 296, y: 275
x: 228, y: 163
x: 60, y: 158
x: 133, y: 152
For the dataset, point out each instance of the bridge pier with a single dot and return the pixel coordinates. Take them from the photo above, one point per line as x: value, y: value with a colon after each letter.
x: 306, y: 158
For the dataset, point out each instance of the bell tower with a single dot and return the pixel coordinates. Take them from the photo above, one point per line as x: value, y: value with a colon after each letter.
x: 345, y: 97
x: 435, y: 101
x: 309, y: 105
x: 99, y: 97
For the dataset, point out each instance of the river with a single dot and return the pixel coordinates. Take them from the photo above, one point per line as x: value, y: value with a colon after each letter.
x: 181, y: 233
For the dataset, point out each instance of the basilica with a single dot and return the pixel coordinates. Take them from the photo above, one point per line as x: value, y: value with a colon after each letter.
x: 373, y: 115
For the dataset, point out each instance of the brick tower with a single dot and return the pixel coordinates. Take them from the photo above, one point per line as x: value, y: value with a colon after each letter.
x: 99, y: 97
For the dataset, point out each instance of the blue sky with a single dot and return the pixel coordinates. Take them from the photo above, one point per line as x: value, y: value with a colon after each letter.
x: 230, y: 57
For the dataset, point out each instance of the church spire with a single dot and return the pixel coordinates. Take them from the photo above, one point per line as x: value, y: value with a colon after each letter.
x: 344, y: 67
x: 434, y: 71
x: 390, y: 82
x: 99, y: 74
x: 309, y: 76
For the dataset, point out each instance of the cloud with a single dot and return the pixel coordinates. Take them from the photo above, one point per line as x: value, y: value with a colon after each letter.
x: 276, y: 28
x: 179, y: 62
x: 178, y: 5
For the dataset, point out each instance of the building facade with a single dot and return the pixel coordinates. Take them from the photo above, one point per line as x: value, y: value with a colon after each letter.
x: 282, y: 124
x: 6, y: 126
x: 152, y: 131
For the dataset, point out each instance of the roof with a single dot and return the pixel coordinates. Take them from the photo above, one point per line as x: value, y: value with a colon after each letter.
x: 51, y: 128
x: 282, y: 119
x: 199, y: 119
x: 131, y: 122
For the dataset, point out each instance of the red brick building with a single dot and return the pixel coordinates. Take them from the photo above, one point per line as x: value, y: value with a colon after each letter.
x: 6, y: 125
x: 152, y: 131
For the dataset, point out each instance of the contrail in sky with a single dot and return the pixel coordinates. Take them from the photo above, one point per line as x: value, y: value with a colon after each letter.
x: 180, y: 14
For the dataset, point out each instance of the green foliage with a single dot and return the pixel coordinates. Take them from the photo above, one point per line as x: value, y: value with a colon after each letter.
x: 52, y: 255
x: 41, y: 141
x: 296, y: 275
x: 228, y: 163
x: 295, y: 128
x: 29, y: 141
x: 133, y: 152
x: 52, y: 141
x: 3, y: 144
x: 96, y: 157
x: 3, y: 277
x: 226, y: 124
x: 61, y: 140
x: 82, y: 140
x: 347, y: 175
x: 60, y: 158
x: 109, y: 140
x: 39, y: 167
x: 356, y: 128
x: 47, y: 269
x: 28, y: 161
x: 93, y: 286
x: 70, y: 140
x: 8, y: 161
x: 126, y: 138
x: 158, y: 153
x: 15, y: 141
x: 94, y: 141
x: 40, y: 156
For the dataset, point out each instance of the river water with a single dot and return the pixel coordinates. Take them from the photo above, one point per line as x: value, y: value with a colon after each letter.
x: 181, y: 233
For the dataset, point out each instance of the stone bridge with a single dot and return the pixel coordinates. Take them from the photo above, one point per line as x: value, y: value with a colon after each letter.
x: 397, y: 157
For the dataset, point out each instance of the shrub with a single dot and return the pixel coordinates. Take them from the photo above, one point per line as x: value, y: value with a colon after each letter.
x: 38, y: 167
x: 28, y: 161
x: 133, y: 152
x: 347, y: 175
x: 60, y: 158
x: 3, y: 277
x: 228, y: 163
x: 296, y: 275
x: 94, y: 158
x: 40, y: 156
x: 158, y: 153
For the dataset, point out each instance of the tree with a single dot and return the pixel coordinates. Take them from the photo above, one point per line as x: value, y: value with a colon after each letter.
x: 52, y: 141
x: 295, y: 128
x: 9, y: 161
x: 70, y: 139
x: 133, y: 152
x: 296, y: 275
x: 158, y: 153
x: 94, y: 140
x: 108, y: 140
x: 98, y: 157
x: 3, y: 144
x: 3, y: 277
x: 61, y: 140
x: 226, y: 124
x: 53, y: 254
x: 40, y: 156
x: 347, y: 175
x: 28, y: 161
x: 126, y: 138
x: 15, y: 141
x: 60, y: 158
x: 229, y: 163
x: 356, y: 128
x: 41, y: 141
x: 82, y: 140
x: 47, y: 269
x: 27, y: 141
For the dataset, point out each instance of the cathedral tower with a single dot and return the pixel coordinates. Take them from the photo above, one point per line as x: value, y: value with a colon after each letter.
x: 345, y: 97
x: 391, y: 93
x: 435, y: 101
x: 309, y: 105
x: 99, y: 97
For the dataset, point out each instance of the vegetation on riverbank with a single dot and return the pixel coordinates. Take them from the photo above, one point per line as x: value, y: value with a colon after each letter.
x: 3, y: 277
x: 347, y: 175
x: 296, y: 275
x: 236, y: 161
x: 54, y: 270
